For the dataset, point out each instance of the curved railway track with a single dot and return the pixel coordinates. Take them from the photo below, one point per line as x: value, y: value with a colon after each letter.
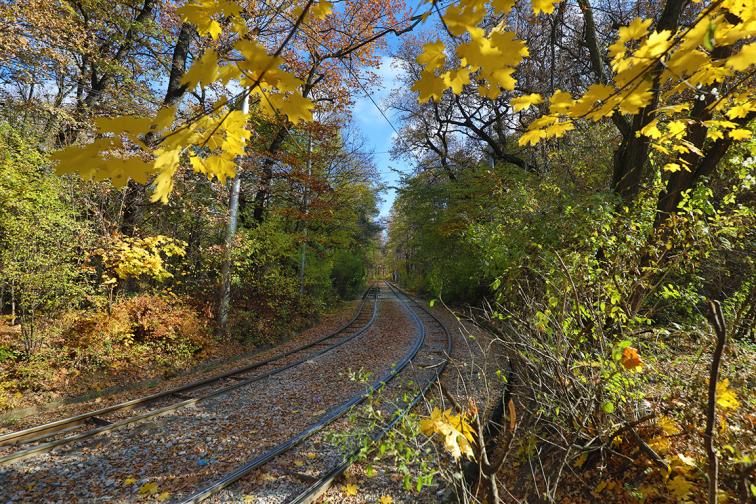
x: 436, y: 345
x: 420, y: 366
x: 363, y: 319
x: 435, y: 328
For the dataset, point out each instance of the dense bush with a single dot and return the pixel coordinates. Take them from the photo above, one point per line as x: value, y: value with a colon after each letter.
x: 592, y: 302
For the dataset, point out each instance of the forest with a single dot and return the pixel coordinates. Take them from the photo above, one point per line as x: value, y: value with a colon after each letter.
x: 182, y: 183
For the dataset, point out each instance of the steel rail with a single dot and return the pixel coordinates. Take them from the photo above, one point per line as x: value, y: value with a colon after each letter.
x: 319, y: 487
x: 81, y: 419
x: 336, y: 412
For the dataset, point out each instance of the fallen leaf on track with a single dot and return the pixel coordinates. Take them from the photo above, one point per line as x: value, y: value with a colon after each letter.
x: 148, y: 489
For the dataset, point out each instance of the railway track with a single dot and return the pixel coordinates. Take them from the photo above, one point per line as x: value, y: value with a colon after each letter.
x: 430, y: 351
x: 436, y: 362
x: 418, y: 359
x: 46, y: 437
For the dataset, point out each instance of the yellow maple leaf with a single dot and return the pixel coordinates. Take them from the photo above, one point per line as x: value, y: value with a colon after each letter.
x: 499, y: 78
x: 502, y: 6
x: 132, y: 125
x: 739, y: 134
x: 558, y: 129
x: 560, y: 102
x: 713, y: 134
x: 166, y: 164
x: 457, y: 434
x: 130, y: 480
x: 651, y: 130
x: 456, y: 79
x: 655, y: 45
x: 524, y: 102
x: 684, y: 63
x: 593, y: 103
x: 672, y: 167
x: 744, y: 59
x: 295, y: 106
x: 351, y: 489
x: 726, y: 397
x: 545, y: 6
x: 667, y: 425
x: 464, y: 16
x: 321, y: 9
x: 741, y: 110
x: 679, y: 487
x: 637, y: 98
x: 200, y: 14
x: 480, y: 52
x: 429, y: 86
x: 148, y: 489
x: 637, y: 29
x: 203, y: 71
x: 164, y: 117
x: 433, y: 55
x: 386, y: 499
x: 660, y: 444
x: 164, y: 496
x: 512, y: 50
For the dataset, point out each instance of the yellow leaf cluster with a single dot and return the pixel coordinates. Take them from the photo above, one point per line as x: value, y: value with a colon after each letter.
x: 456, y: 432
x: 147, y: 149
x: 140, y: 257
x: 667, y: 425
x: 488, y: 58
x: 681, y: 60
x: 201, y: 14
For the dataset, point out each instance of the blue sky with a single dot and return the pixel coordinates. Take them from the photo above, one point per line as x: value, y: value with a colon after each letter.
x: 369, y: 122
x: 377, y: 132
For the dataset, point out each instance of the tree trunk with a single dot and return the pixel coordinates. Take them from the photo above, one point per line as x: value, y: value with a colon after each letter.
x: 631, y: 157
x: 266, y: 176
x: 135, y: 193
x: 224, y: 302
x: 225, y: 292
x: 175, y: 89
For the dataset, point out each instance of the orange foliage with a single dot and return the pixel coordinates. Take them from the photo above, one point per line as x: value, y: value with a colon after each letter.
x: 630, y: 358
